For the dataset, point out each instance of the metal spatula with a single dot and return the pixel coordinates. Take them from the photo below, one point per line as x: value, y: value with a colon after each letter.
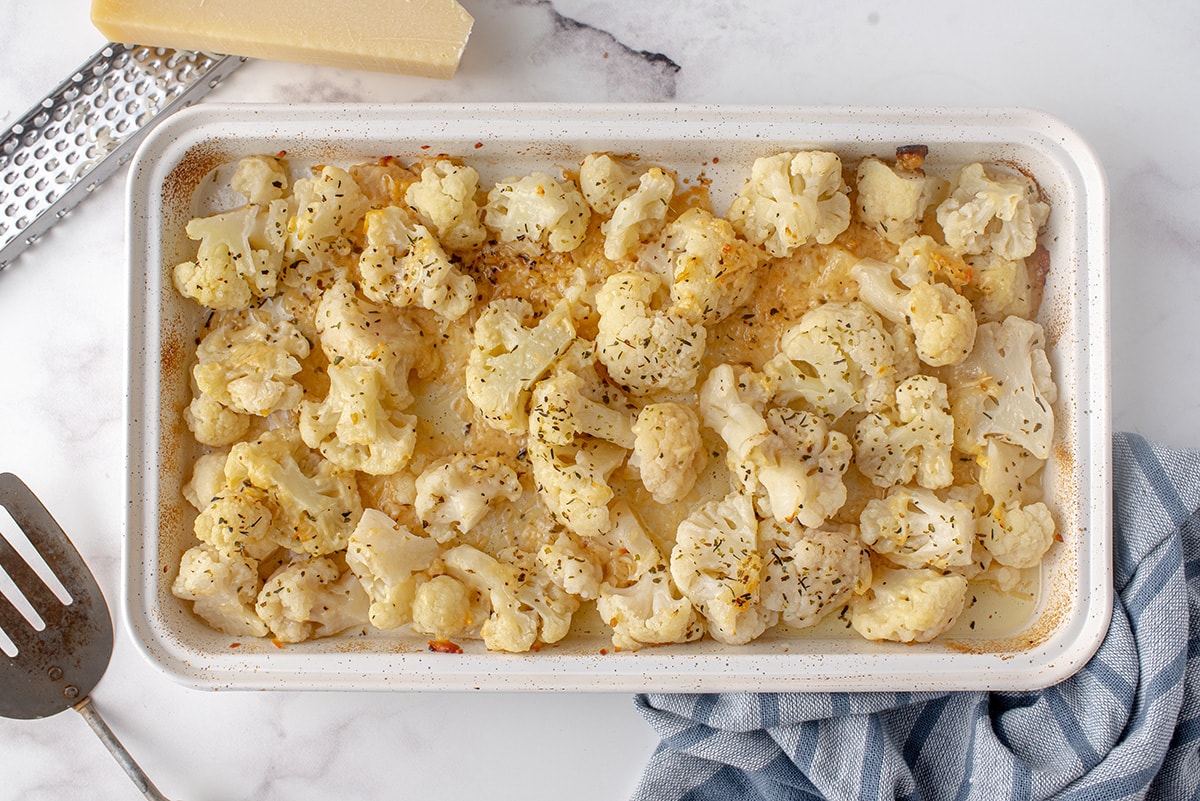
x: 56, y: 667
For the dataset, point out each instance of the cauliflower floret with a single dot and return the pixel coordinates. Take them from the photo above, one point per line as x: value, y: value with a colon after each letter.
x: 329, y: 208
x: 717, y: 566
x: 942, y: 320
x: 711, y: 272
x: 444, y: 607
x: 316, y: 504
x: 915, y: 442
x: 207, y: 481
x: 238, y: 519
x: 311, y: 598
x: 222, y: 588
x: 1006, y: 472
x: 247, y: 361
x: 389, y: 561
x: 922, y: 259
x: 359, y: 425
x: 213, y: 423
x: 537, y: 212
x: 1000, y: 288
x: 914, y: 528
x: 667, y: 450
x: 810, y: 572
x: 575, y: 443
x: 572, y: 566
x: 260, y: 178
x: 649, y: 613
x: 455, y: 493
x: 605, y: 182
x: 1004, y: 390
x: 908, y: 605
x: 1018, y: 536
x: 731, y: 403
x: 838, y: 359
x: 892, y: 201
x: 509, y: 358
x: 799, y: 468
x: 790, y: 199
x: 239, y: 257
x: 640, y: 215
x: 404, y: 264
x: 645, y: 349
x: 445, y: 200
x: 998, y: 213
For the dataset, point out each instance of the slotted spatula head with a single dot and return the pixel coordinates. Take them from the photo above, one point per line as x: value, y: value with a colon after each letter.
x: 58, y: 666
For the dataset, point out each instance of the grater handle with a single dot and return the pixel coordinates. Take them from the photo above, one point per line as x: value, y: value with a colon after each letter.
x: 88, y: 127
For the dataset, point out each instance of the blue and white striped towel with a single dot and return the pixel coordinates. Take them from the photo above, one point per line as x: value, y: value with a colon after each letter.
x: 1125, y: 726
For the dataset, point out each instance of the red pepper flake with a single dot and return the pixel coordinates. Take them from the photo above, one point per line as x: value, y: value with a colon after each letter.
x: 276, y: 642
x: 166, y: 569
x: 603, y: 652
x: 715, y: 160
x: 424, y: 147
x: 444, y: 647
x: 281, y: 154
x: 235, y: 645
x: 478, y: 145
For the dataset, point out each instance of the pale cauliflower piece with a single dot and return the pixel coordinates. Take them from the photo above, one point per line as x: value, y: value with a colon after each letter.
x: 329, y: 207
x: 238, y: 519
x: 640, y: 215
x: 649, y: 612
x: 667, y: 450
x: 1018, y: 536
x: 248, y: 360
x: 792, y: 198
x: 359, y: 424
x: 892, y: 201
x: 537, y: 213
x: 222, y: 588
x: 998, y: 213
x: 316, y: 504
x: 455, y: 493
x: 572, y: 566
x: 912, y: 527
x: 808, y: 573
x: 906, y: 605
x: 731, y: 403
x: 605, y: 182
x: 626, y: 551
x: 207, y: 481
x: 213, y: 423
x: 1000, y: 288
x: 1004, y: 390
x: 443, y: 607
x: 838, y: 358
x: 239, y: 257
x: 311, y: 598
x: 645, y: 349
x: 717, y: 566
x: 260, y: 178
x: 922, y: 258
x: 445, y: 200
x: 1006, y: 472
x: 404, y: 264
x: 508, y: 359
x: 914, y: 442
x: 389, y: 561
x: 942, y: 320
x: 799, y: 469
x: 709, y: 269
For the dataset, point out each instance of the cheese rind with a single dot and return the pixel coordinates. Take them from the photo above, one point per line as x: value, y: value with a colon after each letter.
x: 416, y: 37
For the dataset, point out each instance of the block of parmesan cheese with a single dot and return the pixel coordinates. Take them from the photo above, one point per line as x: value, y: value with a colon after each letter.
x: 416, y: 37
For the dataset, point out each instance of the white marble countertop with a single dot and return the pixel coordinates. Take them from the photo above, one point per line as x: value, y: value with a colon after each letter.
x: 1120, y: 73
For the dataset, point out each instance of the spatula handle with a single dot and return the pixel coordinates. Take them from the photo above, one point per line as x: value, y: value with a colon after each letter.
x: 92, y: 716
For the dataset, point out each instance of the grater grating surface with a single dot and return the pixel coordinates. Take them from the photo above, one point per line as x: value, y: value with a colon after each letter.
x: 88, y: 127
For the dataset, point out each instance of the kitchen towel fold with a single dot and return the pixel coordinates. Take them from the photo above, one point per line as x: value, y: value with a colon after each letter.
x: 1125, y: 726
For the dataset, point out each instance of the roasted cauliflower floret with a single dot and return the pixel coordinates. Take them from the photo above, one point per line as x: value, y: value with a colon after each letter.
x: 1004, y: 390
x: 808, y: 573
x: 717, y: 566
x: 640, y: 215
x: 1006, y: 473
x: 390, y: 563
x: 942, y: 320
x: 1000, y: 288
x: 667, y: 450
x: 709, y: 269
x: 238, y: 519
x: 997, y: 213
x: 444, y: 607
x: 222, y: 588
x: 906, y: 605
x: 839, y: 358
x: 455, y: 493
x: 1018, y: 536
x: 213, y: 423
x: 316, y: 504
x: 445, y: 200
x: 260, y: 178
x: 311, y: 598
x: 572, y: 566
x: 891, y: 200
x: 537, y: 213
x: 798, y: 469
x: 913, y: 442
x: 915, y: 528
x: 329, y: 207
x: 508, y: 359
x: 792, y: 198
x: 922, y: 259
x: 605, y: 182
x: 239, y: 258
x: 404, y: 264
x: 645, y: 349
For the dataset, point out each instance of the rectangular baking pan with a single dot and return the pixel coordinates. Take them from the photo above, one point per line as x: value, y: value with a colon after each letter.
x: 711, y: 145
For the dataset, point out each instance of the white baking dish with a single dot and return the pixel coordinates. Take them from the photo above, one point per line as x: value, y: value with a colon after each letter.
x: 708, y: 144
